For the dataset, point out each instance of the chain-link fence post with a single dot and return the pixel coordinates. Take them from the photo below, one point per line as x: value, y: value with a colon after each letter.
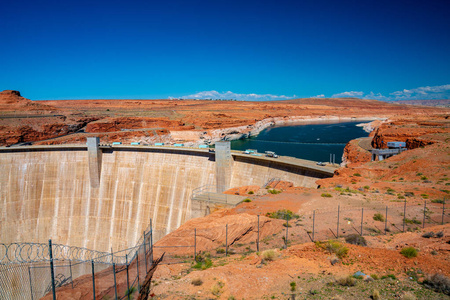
x: 93, y: 279
x: 226, y: 240
x: 51, y: 268
x: 70, y: 268
x: 31, y: 287
x: 145, y: 252
x: 137, y: 268
x: 362, y: 220
x: 128, y: 279
x: 151, y: 242
x: 443, y: 211
x: 337, y: 228
x: 424, y: 214
x: 257, y: 240
x: 115, y: 283
x: 385, y: 221
x: 404, y: 216
x: 314, y: 219
x: 195, y: 244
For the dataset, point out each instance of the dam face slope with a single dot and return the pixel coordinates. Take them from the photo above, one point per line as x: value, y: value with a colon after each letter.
x: 46, y: 192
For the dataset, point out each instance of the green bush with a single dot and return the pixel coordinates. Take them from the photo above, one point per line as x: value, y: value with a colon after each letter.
x: 439, y: 283
x: 366, y: 187
x: 293, y: 286
x: 391, y: 276
x: 378, y: 217
x: 347, y: 281
x: 269, y: 255
x: 357, y: 175
x: 247, y: 200
x: 282, y: 214
x: 251, y: 192
x: 274, y: 191
x: 197, y: 282
x: 327, y: 195
x: 334, y: 247
x: 437, y: 200
x: 409, y: 252
x: 356, y: 239
x: 412, y: 221
x: 376, y: 295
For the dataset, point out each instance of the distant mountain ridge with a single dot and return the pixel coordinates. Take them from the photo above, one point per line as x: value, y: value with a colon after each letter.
x: 434, y: 103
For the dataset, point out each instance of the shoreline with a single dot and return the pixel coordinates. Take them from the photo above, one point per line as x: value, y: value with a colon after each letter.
x: 195, y: 138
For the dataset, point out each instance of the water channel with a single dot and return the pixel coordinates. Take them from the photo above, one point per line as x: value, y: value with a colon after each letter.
x: 312, y: 141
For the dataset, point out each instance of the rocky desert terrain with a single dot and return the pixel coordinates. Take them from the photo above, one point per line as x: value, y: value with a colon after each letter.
x: 394, y: 204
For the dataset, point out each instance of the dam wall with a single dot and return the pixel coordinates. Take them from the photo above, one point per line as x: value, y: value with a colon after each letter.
x: 46, y: 191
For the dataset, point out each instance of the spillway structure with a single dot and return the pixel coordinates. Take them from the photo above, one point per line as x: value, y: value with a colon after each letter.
x: 103, y: 197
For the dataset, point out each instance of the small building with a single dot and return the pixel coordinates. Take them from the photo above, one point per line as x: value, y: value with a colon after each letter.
x: 394, y: 149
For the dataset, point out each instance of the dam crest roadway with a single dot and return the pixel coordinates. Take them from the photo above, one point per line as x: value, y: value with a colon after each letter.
x: 102, y: 197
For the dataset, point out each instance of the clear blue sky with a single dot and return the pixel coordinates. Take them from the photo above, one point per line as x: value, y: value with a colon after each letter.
x: 158, y: 49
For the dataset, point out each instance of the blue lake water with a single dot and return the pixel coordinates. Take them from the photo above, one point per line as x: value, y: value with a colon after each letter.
x: 313, y: 142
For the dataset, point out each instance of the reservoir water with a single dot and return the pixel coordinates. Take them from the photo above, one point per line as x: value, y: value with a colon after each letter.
x: 313, y: 142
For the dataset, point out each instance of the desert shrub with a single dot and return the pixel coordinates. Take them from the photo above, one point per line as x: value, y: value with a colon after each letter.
x: 378, y: 217
x: 409, y: 252
x: 282, y: 214
x: 391, y: 276
x: 424, y: 196
x: 423, y: 177
x: 356, y: 239
x: 220, y: 251
x: 428, y: 235
x: 366, y: 187
x: 409, y: 194
x: 389, y: 190
x: 197, y: 282
x: 357, y: 175
x: 440, y: 234
x: 251, y: 192
x: 437, y: 200
x: 269, y: 255
x: 439, y: 283
x: 347, y: 281
x: 412, y: 221
x: 408, y: 296
x: 274, y: 191
x: 327, y: 195
x: 203, y: 261
x: 376, y: 295
x: 334, y: 247
x: 130, y: 291
x: 293, y: 286
x: 247, y: 200
x: 374, y: 276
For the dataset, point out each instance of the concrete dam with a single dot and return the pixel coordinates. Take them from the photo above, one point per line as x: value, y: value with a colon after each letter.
x: 104, y: 197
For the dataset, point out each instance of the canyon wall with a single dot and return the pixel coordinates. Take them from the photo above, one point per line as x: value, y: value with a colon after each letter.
x: 46, y: 192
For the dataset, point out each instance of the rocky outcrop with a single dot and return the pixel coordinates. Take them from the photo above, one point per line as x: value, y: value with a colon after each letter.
x: 211, y: 231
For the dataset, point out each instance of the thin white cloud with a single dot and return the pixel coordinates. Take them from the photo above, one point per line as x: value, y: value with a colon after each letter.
x: 423, y: 93
x: 348, y: 94
x: 420, y: 93
x: 235, y: 96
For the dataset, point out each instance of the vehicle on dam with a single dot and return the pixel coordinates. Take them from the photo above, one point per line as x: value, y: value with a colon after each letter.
x: 271, y: 154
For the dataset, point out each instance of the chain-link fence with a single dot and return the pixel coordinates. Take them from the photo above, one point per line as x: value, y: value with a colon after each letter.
x: 34, y: 270
x: 26, y: 269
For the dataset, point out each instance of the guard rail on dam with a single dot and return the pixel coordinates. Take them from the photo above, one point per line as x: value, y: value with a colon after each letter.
x: 104, y: 198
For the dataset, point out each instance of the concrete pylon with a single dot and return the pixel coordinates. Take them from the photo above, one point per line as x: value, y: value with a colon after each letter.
x: 223, y: 166
x: 95, y: 160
